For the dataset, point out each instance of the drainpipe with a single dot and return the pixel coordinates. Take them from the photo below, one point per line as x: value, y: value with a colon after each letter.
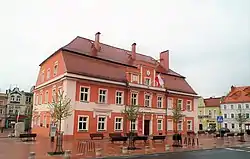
x: 166, y: 124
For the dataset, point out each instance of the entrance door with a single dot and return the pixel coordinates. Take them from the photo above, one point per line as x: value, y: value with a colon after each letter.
x: 200, y: 127
x: 146, y: 127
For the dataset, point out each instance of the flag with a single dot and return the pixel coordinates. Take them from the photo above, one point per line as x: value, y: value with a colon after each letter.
x: 159, y: 80
x: 17, y: 118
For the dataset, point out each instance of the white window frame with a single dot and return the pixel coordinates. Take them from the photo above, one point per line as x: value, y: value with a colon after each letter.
x: 55, y: 68
x: 159, y: 102
x: 149, y: 79
x: 41, y: 98
x: 210, y: 112
x: 46, y: 97
x: 134, y: 76
x: 190, y: 124
x: 48, y: 73
x: 122, y: 97
x: 225, y: 125
x: 136, y: 125
x: 137, y: 94
x: 189, y: 105
x: 246, y: 106
x: 160, y: 124
x: 87, y: 122
x: 99, y: 95
x: 224, y: 116
x: 105, y: 123
x: 37, y: 99
x: 121, y: 129
x: 170, y: 104
x: 53, y: 94
x: 232, y: 125
x: 180, y: 122
x: 180, y: 103
x: 84, y: 93
x: 214, y: 113
x: 232, y: 106
x: 149, y: 100
x: 233, y: 115
x: 18, y: 98
x: 168, y: 127
x: 42, y: 76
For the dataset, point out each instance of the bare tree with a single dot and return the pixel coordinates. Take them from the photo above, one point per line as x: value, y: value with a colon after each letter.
x: 60, y: 109
x: 131, y: 113
x: 177, y: 116
x: 241, y: 119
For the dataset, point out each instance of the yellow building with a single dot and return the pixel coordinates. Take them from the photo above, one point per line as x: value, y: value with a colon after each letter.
x: 208, y: 110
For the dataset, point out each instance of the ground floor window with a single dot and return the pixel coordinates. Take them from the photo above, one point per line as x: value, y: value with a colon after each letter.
x: 83, y: 123
x: 101, y: 125
x: 179, y: 126
x: 118, y: 123
x: 233, y: 126
x: 189, y: 125
x: 159, y: 124
x: 133, y: 125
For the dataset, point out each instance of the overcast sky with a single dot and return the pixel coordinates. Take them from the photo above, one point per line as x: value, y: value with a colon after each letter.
x: 209, y: 40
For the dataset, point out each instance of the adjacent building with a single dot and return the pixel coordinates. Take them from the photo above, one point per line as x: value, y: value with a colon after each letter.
x: 101, y: 80
x: 209, y: 109
x: 18, y: 103
x: 236, y: 102
x: 3, y: 109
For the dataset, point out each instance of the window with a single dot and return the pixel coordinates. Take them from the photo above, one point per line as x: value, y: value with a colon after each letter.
x: 48, y: 73
x: 159, y: 124
x: 209, y: 112
x: 232, y: 106
x: 170, y: 125
x: 247, y: 115
x: 247, y: 106
x: 1, y: 111
x: 41, y: 98
x: 179, y: 126
x: 46, y: 98
x: 42, y: 76
x: 55, y: 68
x: 44, y: 121
x: 225, y: 116
x: 134, y: 78
x: 225, y: 125
x: 84, y: 94
x: 214, y: 114
x: 28, y: 99
x: 189, y: 105
x: 101, y: 123
x: 225, y: 107
x: 200, y: 112
x: 170, y: 103
x: 180, y: 104
x: 239, y: 106
x: 133, y: 125
x: 12, y: 98
x: 232, y: 115
x: 233, y: 126
x: 103, y: 96
x: 16, y: 111
x: 118, y: 124
x: 54, y: 94
x: 134, y: 99
x: 119, y: 97
x: 147, y: 101
x: 147, y: 81
x: 11, y: 111
x: 159, y: 102
x: 18, y: 98
x: 83, y: 123
x: 37, y: 99
x: 189, y: 125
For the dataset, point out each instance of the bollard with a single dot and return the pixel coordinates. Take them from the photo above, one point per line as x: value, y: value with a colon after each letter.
x: 32, y: 155
x: 67, y: 154
x: 167, y: 147
x: 124, y: 150
x: 98, y: 152
x: 147, y: 148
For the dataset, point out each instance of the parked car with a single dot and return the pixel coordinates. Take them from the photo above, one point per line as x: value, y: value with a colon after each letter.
x: 211, y: 130
x: 224, y: 130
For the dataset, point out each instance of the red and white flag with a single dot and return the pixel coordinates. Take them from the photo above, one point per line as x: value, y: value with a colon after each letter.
x: 159, y: 80
x: 17, y: 118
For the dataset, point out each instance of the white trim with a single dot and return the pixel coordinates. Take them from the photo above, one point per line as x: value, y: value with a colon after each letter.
x: 150, y: 83
x: 181, y: 103
x: 106, y: 95
x: 121, y: 97
x: 162, y: 99
x: 121, y: 124
x: 48, y: 74
x: 161, y: 124
x: 46, y: 97
x: 191, y: 126
x: 136, y: 125
x: 168, y: 103
x: 55, y: 71
x: 154, y: 78
x: 137, y: 97
x: 147, y: 87
x: 87, y: 124
x: 191, y: 108
x: 172, y: 125
x: 88, y: 99
x: 181, y: 93
x: 141, y: 76
x: 132, y: 80
x: 150, y: 100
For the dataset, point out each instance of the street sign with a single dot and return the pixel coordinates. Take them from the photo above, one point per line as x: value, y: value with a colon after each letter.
x: 220, y: 119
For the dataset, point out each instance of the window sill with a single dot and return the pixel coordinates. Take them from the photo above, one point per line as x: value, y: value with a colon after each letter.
x: 118, y: 130
x: 84, y: 101
x: 82, y: 131
x: 101, y: 130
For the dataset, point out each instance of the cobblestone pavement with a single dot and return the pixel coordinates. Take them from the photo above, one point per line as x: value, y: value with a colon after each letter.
x: 13, y: 148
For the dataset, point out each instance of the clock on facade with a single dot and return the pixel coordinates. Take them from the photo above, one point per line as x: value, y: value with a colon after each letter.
x: 148, y: 73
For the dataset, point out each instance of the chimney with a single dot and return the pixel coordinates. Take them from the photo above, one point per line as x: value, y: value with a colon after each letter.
x: 164, y: 59
x: 97, y: 41
x: 133, y: 51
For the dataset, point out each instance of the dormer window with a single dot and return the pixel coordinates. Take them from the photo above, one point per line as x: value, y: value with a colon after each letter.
x: 18, y: 98
x: 55, y: 68
x: 147, y: 81
x: 12, y: 98
x: 134, y: 78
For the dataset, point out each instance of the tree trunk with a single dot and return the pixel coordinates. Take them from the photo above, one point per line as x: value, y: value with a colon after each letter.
x: 59, y: 139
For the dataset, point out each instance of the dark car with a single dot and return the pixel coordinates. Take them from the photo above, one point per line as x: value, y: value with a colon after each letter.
x: 211, y: 130
x: 224, y: 130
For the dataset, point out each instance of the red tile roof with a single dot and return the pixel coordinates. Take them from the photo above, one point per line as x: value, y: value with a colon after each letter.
x: 79, y: 58
x: 212, y: 102
x: 238, y: 95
